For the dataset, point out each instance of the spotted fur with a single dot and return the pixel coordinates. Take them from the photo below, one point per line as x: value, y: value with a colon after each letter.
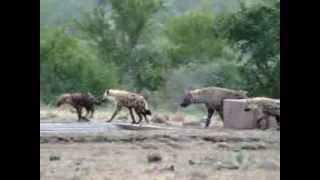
x: 266, y: 106
x: 213, y: 98
x: 132, y: 101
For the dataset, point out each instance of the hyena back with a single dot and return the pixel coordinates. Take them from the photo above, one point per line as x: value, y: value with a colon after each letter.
x: 79, y: 101
x: 132, y: 101
x: 213, y: 98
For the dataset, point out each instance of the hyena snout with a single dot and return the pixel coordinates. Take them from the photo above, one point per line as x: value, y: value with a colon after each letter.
x: 148, y: 112
x: 58, y: 104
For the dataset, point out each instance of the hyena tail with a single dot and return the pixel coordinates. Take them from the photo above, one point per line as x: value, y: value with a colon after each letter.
x: 60, y: 101
x: 146, y: 107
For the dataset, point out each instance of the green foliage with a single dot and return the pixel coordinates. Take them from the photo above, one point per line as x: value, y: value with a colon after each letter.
x: 116, y: 36
x: 67, y: 65
x: 57, y: 12
x: 255, y: 32
x: 193, y: 38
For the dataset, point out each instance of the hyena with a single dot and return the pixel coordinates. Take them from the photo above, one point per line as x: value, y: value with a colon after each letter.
x: 129, y: 100
x: 266, y: 106
x: 213, y: 98
x: 79, y: 101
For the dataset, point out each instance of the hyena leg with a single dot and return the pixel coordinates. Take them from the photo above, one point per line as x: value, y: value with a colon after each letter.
x: 259, y: 122
x: 132, y: 116
x: 86, y: 116
x: 79, y: 112
x: 210, y: 113
x: 220, y: 111
x: 221, y: 114
x: 145, y: 117
x: 278, y: 120
x: 92, y: 112
x: 115, y: 113
x: 139, y: 115
x: 87, y: 112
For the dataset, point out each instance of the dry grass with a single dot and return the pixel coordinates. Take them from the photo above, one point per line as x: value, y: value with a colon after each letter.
x: 122, y: 160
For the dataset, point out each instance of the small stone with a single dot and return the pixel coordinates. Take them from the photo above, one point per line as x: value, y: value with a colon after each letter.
x: 154, y: 158
x: 191, y: 162
x: 250, y: 146
x: 168, y: 168
x: 54, y: 158
x: 223, y: 145
x: 219, y: 165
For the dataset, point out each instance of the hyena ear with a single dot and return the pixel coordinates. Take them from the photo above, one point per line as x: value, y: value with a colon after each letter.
x: 106, y: 93
x: 188, y: 89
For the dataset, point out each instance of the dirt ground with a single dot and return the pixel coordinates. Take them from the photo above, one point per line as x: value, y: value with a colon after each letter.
x: 188, y: 152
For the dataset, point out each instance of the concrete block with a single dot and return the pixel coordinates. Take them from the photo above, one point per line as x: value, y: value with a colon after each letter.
x: 235, y: 117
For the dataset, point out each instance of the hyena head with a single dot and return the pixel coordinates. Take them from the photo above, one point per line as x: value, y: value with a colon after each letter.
x: 93, y: 99
x: 250, y: 107
x: 59, y: 103
x: 241, y: 95
x: 187, y: 99
x: 105, y: 96
x: 148, y: 112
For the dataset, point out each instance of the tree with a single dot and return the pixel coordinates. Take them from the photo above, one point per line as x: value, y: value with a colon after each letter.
x: 67, y: 65
x: 193, y: 38
x: 255, y: 32
x: 115, y: 27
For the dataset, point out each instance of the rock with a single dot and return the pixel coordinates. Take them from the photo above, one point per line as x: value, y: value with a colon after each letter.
x: 54, y: 158
x: 154, y: 158
x: 161, y: 119
x: 253, y: 146
x: 219, y: 166
x: 223, y: 145
x: 191, y: 162
x: 269, y: 165
x: 168, y: 168
x: 178, y: 117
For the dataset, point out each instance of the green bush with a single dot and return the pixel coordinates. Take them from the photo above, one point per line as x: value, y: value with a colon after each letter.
x: 67, y: 65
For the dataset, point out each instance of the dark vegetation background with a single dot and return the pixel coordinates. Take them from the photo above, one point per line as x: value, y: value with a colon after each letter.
x: 159, y: 47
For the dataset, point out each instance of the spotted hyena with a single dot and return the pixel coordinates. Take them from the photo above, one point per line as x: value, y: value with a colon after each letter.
x: 266, y: 106
x: 213, y: 98
x: 129, y: 100
x: 79, y: 101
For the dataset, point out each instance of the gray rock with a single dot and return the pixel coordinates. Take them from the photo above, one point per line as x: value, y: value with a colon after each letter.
x: 54, y: 158
x: 154, y: 158
x: 269, y: 165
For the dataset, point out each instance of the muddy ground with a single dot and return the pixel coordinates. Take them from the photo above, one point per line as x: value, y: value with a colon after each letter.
x: 184, y: 151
